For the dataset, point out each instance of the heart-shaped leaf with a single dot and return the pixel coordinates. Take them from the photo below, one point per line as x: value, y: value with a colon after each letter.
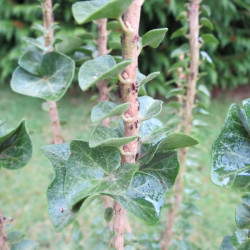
x: 100, y: 68
x: 176, y: 140
x: 60, y: 213
x: 106, y: 109
x: 31, y: 59
x: 15, y: 147
x: 149, y: 107
x: 144, y: 198
x: 55, y: 75
x: 164, y: 167
x: 231, y: 152
x: 103, y: 136
x: 153, y: 38
x: 95, y: 171
x: 242, y: 216
x: 87, y: 11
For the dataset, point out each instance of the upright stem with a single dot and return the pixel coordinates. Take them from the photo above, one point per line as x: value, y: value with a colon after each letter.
x: 187, y: 122
x: 131, y: 21
x: 48, y: 19
x: 3, y: 236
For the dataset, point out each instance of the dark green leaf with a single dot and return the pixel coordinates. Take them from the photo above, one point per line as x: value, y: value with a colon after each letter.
x: 92, y: 10
x: 95, y: 171
x: 180, y: 32
x: 144, y: 198
x: 207, y: 23
x: 242, y: 215
x: 153, y: 38
x: 56, y: 73
x: 100, y: 68
x: 108, y: 215
x: 15, y: 147
x: 209, y: 38
x: 231, y: 153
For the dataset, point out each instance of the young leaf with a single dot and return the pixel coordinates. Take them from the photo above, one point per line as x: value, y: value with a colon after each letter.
x: 231, y: 151
x: 207, y: 23
x: 31, y: 59
x: 209, y: 38
x: 60, y: 213
x: 149, y: 78
x: 153, y: 38
x: 106, y: 109
x: 176, y: 140
x: 15, y: 147
x: 142, y: 201
x: 164, y: 167
x: 55, y: 75
x: 95, y: 171
x: 87, y: 11
x: 149, y: 107
x: 180, y: 32
x: 100, y: 68
x: 103, y: 136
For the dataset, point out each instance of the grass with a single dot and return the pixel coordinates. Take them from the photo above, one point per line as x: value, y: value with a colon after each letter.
x: 23, y: 192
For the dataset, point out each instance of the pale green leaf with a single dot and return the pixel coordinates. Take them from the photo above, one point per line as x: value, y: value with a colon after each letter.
x: 149, y: 78
x: 100, y: 68
x: 107, y: 109
x: 15, y: 147
x: 25, y: 245
x: 103, y: 136
x: 15, y: 236
x: 149, y: 107
x: 68, y: 44
x: 55, y: 75
x: 181, y: 50
x: 87, y: 11
x: 153, y: 38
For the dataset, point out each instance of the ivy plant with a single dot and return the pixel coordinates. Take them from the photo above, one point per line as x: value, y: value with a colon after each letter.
x: 231, y: 169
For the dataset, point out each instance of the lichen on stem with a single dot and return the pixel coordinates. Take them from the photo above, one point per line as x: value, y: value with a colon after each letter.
x: 48, y: 19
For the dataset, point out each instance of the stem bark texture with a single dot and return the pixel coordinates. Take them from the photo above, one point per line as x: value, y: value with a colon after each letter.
x: 3, y: 236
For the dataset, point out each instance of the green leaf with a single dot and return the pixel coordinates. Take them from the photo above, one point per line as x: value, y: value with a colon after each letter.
x: 149, y: 78
x: 113, y: 25
x: 15, y: 236
x: 174, y: 92
x: 142, y: 201
x: 227, y: 243
x: 209, y: 38
x: 153, y: 38
x: 207, y: 23
x: 180, y: 32
x: 95, y: 171
x: 181, y: 50
x: 106, y: 109
x: 25, y: 245
x: 205, y: 56
x: 149, y: 107
x: 242, y: 216
x: 164, y: 167
x: 206, y: 9
x: 240, y: 239
x: 60, y: 213
x: 103, y: 136
x: 100, y: 68
x: 203, y: 89
x: 108, y: 214
x: 231, y: 152
x: 68, y: 44
x: 176, y: 140
x: 152, y: 131
x: 37, y: 43
x: 31, y: 59
x: 55, y: 75
x: 15, y: 147
x: 87, y: 11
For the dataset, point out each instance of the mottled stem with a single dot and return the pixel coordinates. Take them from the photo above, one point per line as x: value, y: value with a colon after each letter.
x: 48, y: 20
x: 130, y: 27
x: 3, y: 236
x: 187, y: 115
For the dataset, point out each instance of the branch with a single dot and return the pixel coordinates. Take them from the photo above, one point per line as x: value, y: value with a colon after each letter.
x: 48, y: 39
